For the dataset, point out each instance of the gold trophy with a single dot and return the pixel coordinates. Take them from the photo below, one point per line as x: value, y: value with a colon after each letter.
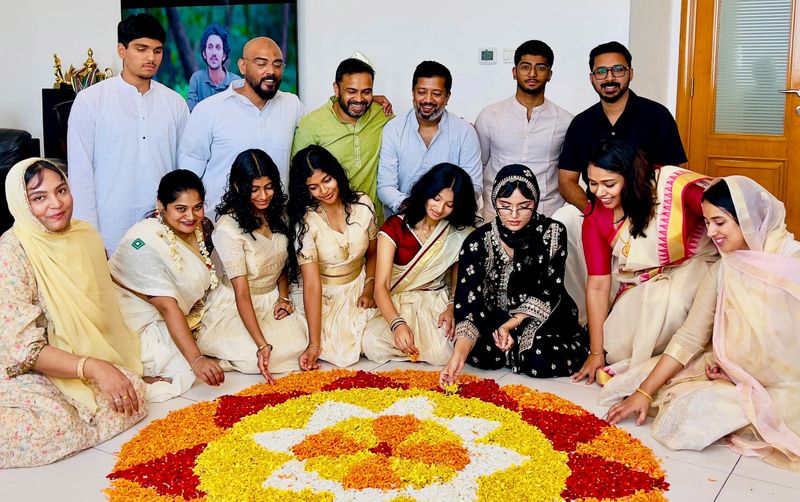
x: 79, y: 79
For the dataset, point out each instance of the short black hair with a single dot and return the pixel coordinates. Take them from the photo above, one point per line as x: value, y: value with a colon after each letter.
x: 430, y: 69
x: 608, y: 48
x: 215, y: 29
x: 353, y: 65
x: 534, y: 48
x: 140, y: 26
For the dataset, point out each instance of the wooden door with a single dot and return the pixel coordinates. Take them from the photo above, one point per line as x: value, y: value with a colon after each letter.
x: 737, y: 58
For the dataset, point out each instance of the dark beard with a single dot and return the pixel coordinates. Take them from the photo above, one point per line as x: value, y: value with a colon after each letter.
x: 531, y: 92
x: 613, y: 99
x: 265, y: 95
x: 343, y: 107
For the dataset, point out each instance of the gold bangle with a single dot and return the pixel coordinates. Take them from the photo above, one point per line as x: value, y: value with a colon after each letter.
x: 286, y: 299
x: 79, y: 369
x: 201, y: 356
x: 313, y: 345
x: 262, y: 347
x: 366, y: 281
x: 601, y: 353
x: 645, y: 394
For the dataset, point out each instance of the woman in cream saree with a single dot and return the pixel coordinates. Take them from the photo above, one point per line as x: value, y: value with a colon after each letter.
x: 417, y: 255
x: 747, y: 382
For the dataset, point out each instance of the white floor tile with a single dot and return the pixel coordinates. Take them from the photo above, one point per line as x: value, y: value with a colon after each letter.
x: 234, y: 382
x: 692, y: 483
x: 157, y: 410
x: 751, y: 467
x: 742, y: 489
x: 76, y: 479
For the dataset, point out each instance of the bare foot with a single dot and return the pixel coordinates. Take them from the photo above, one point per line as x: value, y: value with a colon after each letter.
x: 715, y: 372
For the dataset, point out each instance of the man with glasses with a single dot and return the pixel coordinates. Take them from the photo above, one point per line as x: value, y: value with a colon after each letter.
x: 349, y: 125
x: 525, y: 129
x: 250, y: 113
x: 620, y: 114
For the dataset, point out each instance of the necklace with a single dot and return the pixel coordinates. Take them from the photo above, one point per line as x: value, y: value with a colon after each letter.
x: 344, y: 248
x: 201, y: 244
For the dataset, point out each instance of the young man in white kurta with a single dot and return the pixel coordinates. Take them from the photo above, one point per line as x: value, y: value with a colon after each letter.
x: 525, y: 129
x: 123, y: 135
x: 251, y: 113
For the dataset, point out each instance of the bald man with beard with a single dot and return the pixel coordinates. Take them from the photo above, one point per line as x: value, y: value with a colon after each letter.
x: 251, y: 113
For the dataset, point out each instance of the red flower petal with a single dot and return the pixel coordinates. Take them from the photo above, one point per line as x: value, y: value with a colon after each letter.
x: 593, y: 476
x: 564, y: 431
x: 171, y: 474
x: 231, y: 409
x: 364, y: 380
x: 488, y: 391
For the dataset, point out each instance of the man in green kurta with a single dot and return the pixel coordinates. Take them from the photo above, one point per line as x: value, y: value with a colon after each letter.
x: 349, y: 126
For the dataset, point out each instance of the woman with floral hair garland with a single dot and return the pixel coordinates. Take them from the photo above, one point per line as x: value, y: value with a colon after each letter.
x: 162, y: 269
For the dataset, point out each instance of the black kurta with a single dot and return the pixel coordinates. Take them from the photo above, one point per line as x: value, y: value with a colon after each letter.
x: 548, y: 343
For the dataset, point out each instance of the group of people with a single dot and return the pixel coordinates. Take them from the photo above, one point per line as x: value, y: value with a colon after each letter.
x: 254, y: 237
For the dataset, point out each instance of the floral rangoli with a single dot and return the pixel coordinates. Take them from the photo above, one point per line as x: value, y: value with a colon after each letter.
x: 394, y: 436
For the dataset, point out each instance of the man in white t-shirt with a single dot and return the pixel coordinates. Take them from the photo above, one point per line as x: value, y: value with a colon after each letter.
x: 525, y: 129
x: 123, y: 135
x: 250, y: 113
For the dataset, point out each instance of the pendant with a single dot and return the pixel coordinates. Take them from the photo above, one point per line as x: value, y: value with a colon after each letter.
x: 626, y: 248
x: 345, y: 249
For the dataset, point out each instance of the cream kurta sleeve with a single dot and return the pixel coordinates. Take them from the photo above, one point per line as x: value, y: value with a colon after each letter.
x: 21, y: 339
x: 308, y: 244
x: 229, y: 244
x: 695, y: 332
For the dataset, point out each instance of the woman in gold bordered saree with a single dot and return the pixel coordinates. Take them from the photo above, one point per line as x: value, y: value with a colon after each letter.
x: 731, y: 369
x: 417, y: 258
x: 336, y: 245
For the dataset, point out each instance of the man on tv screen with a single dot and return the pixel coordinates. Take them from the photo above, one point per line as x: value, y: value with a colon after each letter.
x: 215, y: 50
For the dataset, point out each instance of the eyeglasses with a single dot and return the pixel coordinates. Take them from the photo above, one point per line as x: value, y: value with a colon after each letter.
x: 526, y: 68
x: 520, y: 210
x: 601, y: 72
x: 262, y: 63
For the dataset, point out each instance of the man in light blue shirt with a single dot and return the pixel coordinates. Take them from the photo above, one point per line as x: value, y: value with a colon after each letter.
x: 425, y: 136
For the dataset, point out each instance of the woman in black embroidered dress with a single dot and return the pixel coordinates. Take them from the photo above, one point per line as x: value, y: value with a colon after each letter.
x: 511, y: 308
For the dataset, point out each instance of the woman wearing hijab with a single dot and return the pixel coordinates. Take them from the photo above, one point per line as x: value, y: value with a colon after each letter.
x: 747, y: 381
x: 70, y: 364
x: 511, y: 308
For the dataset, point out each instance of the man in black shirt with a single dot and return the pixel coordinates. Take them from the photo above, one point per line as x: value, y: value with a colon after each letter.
x: 620, y: 114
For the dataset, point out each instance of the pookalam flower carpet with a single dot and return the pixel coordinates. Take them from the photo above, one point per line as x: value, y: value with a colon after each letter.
x: 394, y: 436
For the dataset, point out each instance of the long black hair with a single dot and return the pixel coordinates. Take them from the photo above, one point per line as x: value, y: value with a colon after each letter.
x: 247, y: 167
x: 638, y: 196
x: 719, y: 195
x: 441, y: 176
x: 305, y: 162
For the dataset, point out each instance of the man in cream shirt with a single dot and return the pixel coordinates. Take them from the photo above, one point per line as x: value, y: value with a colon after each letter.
x: 525, y: 128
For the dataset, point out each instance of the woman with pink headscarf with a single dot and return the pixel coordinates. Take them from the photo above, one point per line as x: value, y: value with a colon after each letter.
x: 731, y: 369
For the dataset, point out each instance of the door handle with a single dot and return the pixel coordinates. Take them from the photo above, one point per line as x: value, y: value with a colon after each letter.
x: 791, y: 91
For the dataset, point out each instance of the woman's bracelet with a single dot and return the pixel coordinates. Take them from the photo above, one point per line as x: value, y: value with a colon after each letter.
x: 396, y: 322
x: 286, y: 299
x: 79, y: 369
x: 262, y: 347
x: 201, y: 356
x: 592, y: 353
x: 313, y: 345
x: 645, y: 394
x: 372, y: 278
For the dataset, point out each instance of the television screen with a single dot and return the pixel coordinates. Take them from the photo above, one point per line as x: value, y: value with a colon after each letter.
x: 186, y: 22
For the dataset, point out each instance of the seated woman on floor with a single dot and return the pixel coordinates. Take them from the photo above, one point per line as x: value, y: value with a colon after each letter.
x: 643, y: 228
x: 511, y: 308
x: 336, y: 243
x: 249, y: 319
x: 747, y: 382
x: 69, y: 362
x: 417, y: 251
x: 163, y: 270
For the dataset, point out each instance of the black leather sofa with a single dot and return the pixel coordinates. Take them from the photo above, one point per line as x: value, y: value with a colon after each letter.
x: 15, y: 145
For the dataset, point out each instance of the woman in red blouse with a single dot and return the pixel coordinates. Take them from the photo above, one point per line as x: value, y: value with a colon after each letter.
x: 643, y: 232
x: 417, y: 253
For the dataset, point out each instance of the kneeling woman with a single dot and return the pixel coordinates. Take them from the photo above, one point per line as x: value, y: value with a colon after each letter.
x: 644, y: 232
x: 163, y: 269
x: 69, y: 362
x: 747, y: 383
x: 417, y: 250
x: 249, y: 319
x: 511, y: 308
x: 336, y: 233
